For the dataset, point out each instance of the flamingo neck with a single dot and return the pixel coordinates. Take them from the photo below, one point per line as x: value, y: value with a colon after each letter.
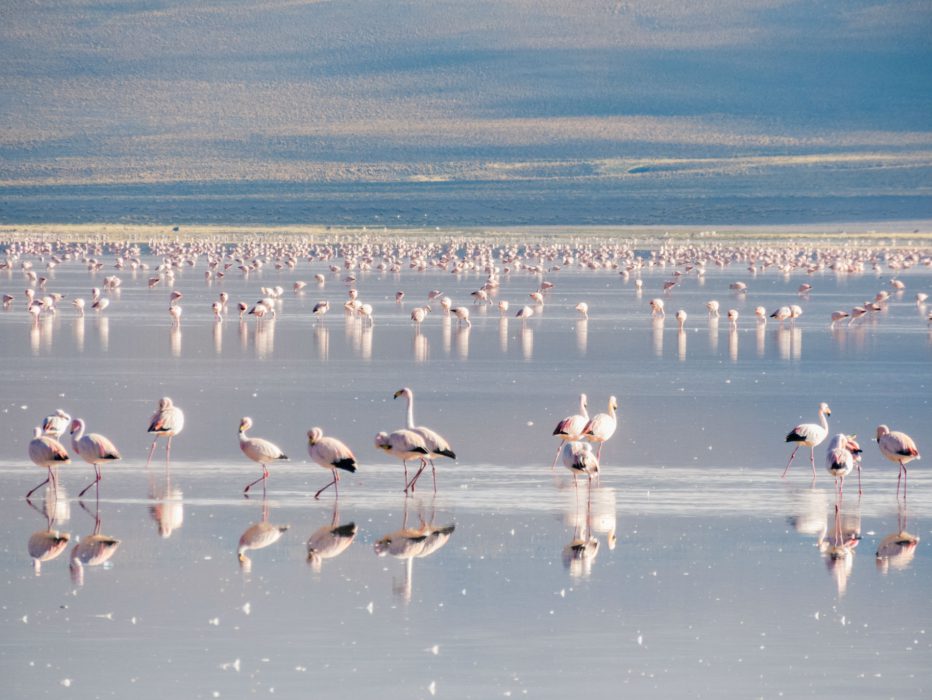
x: 582, y: 409
x: 824, y: 420
x: 410, y: 397
x: 79, y: 433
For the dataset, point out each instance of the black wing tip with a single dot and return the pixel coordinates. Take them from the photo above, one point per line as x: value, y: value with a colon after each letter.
x: 347, y: 530
x: 421, y: 451
x: 346, y: 465
x: 793, y: 437
x: 447, y: 453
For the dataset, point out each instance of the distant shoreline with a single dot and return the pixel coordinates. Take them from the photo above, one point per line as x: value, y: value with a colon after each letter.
x: 891, y: 232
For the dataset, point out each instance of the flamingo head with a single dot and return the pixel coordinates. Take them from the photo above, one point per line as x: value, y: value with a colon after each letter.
x: 406, y: 392
x: 823, y: 408
x: 314, y: 436
x: 245, y: 424
x: 881, y: 431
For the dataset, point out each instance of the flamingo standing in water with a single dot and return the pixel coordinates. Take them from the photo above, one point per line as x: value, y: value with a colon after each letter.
x: 56, y: 424
x: 46, y: 451
x: 602, y: 426
x: 167, y: 421
x: 258, y: 450
x: 578, y: 458
x: 842, y: 456
x: 437, y: 445
x: 570, y: 429
x: 897, y: 447
x: 331, y: 454
x: 404, y: 445
x: 94, y: 449
x: 811, y: 435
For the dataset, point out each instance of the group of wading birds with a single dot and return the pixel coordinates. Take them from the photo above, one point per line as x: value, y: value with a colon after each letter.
x: 410, y: 443
x: 494, y: 260
x: 576, y: 432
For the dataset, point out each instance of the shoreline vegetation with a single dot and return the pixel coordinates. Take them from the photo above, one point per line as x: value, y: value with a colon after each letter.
x: 892, y: 233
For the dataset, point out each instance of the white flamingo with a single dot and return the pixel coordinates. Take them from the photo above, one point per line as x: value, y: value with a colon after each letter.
x: 811, y: 435
x: 258, y: 450
x: 330, y: 454
x: 95, y: 449
x: 897, y: 447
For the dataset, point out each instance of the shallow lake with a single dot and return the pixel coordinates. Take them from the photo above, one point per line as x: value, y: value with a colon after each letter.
x: 691, y: 569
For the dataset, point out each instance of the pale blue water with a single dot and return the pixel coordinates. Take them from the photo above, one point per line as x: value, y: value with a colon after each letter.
x: 715, y: 585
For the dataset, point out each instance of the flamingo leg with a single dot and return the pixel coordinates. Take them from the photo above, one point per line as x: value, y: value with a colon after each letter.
x: 790, y: 462
x: 265, y: 475
x: 859, y: 481
x: 414, y: 480
x: 332, y: 483
x: 168, y: 450
x: 93, y: 483
x: 40, y: 485
x: 433, y: 472
x: 557, y: 455
x: 151, y: 451
x: 905, y: 479
x: 812, y: 461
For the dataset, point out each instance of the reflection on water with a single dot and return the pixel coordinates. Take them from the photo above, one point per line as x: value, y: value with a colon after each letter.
x: 265, y: 338
x: 582, y: 336
x: 503, y: 335
x: 446, y: 326
x: 167, y: 509
x: 77, y: 330
x: 713, y: 334
x: 589, y: 515
x: 681, y: 344
x: 322, y: 342
x: 330, y: 541
x: 462, y: 342
x: 174, y: 339
x: 103, y: 332
x: 897, y: 550
x: 657, y: 335
x: 258, y: 536
x: 527, y: 342
x: 47, y: 544
x: 218, y: 338
x: 408, y: 544
x: 95, y: 549
x: 733, y: 345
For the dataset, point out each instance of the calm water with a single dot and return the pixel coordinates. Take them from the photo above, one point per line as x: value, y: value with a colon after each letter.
x: 707, y: 579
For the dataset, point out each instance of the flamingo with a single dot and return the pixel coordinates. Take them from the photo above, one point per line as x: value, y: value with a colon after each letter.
x: 56, y: 424
x: 578, y: 458
x: 602, y: 426
x: 713, y: 307
x: 94, y: 449
x: 733, y: 318
x: 217, y: 308
x: 570, y: 429
x: 836, y: 317
x: 258, y: 450
x: 330, y: 454
x: 404, y: 445
x: 437, y: 445
x: 656, y: 308
x: 524, y: 313
x: 781, y: 314
x: 583, y: 309
x: 503, y: 307
x: 842, y: 456
x: 167, y: 421
x: 681, y: 318
x: 418, y: 314
x: 462, y: 315
x: 897, y: 447
x: 46, y: 451
x: 320, y: 309
x: 811, y: 435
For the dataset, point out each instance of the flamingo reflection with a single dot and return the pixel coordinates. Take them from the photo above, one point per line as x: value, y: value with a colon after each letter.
x: 329, y: 541
x: 91, y: 550
x: 46, y: 545
x: 897, y: 550
x: 258, y: 536
x: 408, y: 544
